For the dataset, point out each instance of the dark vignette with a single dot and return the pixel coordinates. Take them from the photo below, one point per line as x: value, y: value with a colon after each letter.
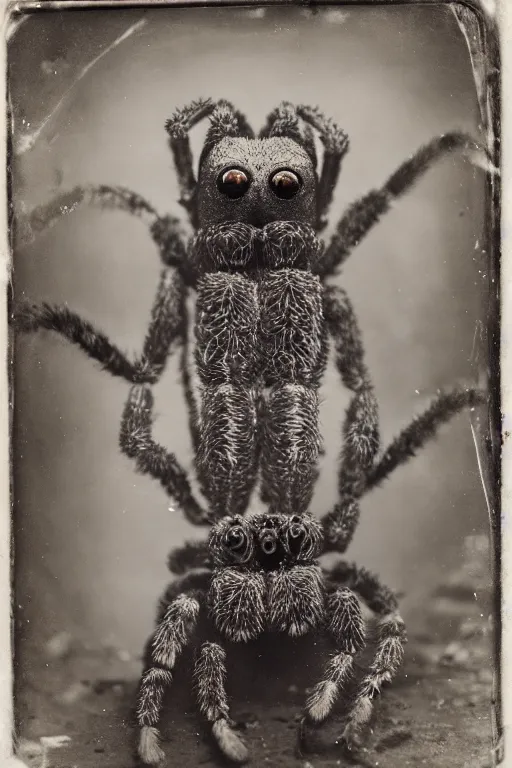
x: 491, y: 123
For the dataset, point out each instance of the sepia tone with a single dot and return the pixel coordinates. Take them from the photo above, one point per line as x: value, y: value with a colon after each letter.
x: 92, y: 536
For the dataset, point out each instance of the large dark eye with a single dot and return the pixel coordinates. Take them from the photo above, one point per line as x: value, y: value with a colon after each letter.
x: 285, y: 184
x: 233, y: 183
x: 236, y: 539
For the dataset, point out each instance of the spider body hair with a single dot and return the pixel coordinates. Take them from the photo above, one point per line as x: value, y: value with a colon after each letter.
x: 265, y: 319
x: 265, y: 578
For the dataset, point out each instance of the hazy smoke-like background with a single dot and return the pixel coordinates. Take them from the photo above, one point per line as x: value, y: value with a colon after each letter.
x: 91, y: 535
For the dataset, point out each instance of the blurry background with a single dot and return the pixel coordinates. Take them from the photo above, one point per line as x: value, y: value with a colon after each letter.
x: 91, y: 535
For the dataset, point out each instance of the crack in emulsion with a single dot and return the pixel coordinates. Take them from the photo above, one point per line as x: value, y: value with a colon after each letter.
x: 28, y: 140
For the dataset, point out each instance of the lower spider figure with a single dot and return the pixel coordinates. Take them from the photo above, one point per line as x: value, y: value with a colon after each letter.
x: 261, y: 575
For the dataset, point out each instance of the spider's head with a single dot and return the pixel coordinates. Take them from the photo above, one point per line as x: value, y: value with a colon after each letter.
x: 256, y: 181
x: 231, y: 541
x: 301, y: 538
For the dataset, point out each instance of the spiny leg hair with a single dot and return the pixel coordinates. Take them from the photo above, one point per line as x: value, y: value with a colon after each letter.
x: 422, y: 428
x: 210, y: 680
x: 178, y: 127
x: 297, y: 123
x: 391, y: 637
x: 28, y: 318
x: 362, y: 215
x: 345, y: 625
x: 172, y: 633
x: 167, y: 317
x: 166, y: 231
x: 361, y: 425
x: 191, y: 555
x: 107, y: 198
x: 284, y: 121
x: 335, y: 142
x: 188, y: 387
x: 389, y: 654
x: 136, y: 441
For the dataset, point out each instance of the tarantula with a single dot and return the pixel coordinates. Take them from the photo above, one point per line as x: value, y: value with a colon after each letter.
x: 264, y: 317
x: 261, y: 574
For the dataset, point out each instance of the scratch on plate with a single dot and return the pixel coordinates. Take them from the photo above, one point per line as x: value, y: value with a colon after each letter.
x: 28, y: 140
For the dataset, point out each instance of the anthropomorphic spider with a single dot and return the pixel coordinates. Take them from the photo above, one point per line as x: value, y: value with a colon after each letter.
x: 264, y: 317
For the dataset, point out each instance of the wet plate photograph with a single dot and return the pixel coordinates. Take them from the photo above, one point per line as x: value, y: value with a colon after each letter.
x: 254, y: 384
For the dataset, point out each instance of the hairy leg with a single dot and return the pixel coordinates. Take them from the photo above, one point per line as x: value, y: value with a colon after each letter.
x: 192, y: 554
x: 188, y: 387
x: 164, y: 230
x: 165, y: 327
x: 210, y: 679
x: 345, y: 625
x: 361, y: 424
x: 422, y: 428
x: 172, y: 633
x: 136, y: 441
x: 27, y: 318
x: 391, y: 637
x: 362, y: 215
x: 224, y: 121
x: 105, y: 197
x: 335, y: 143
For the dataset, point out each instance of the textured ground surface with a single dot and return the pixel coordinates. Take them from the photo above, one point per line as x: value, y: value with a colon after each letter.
x: 437, y: 713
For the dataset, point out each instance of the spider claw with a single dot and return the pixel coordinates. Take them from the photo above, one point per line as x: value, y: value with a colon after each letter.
x: 230, y: 744
x: 149, y: 749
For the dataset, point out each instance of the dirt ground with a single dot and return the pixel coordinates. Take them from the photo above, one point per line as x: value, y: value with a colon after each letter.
x: 74, y: 704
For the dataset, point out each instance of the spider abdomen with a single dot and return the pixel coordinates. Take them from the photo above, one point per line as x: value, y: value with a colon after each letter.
x: 293, y: 341
x: 227, y: 358
x: 292, y: 329
x: 226, y: 329
x: 227, y: 455
x: 290, y: 447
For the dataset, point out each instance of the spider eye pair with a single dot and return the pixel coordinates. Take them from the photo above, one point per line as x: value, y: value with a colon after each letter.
x: 236, y: 539
x: 296, y: 536
x: 235, y: 182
